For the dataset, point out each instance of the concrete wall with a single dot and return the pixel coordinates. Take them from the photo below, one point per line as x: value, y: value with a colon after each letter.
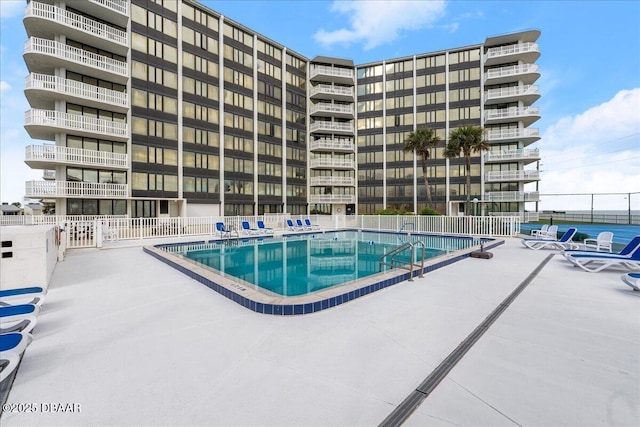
x: 198, y: 210
x: 29, y: 255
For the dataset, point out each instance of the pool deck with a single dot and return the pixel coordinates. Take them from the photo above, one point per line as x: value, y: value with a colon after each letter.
x: 134, y: 342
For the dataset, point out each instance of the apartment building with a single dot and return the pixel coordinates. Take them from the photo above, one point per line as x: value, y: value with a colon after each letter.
x: 167, y: 108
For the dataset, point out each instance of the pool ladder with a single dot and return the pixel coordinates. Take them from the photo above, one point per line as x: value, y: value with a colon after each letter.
x: 394, y: 263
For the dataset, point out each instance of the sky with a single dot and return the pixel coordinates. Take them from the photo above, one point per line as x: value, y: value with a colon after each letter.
x: 589, y: 64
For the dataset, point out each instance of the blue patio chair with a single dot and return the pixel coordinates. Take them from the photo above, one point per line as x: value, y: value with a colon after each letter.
x: 18, y: 318
x: 291, y: 226
x: 311, y: 226
x: 300, y: 225
x: 263, y: 229
x: 564, y: 243
x: 246, y: 228
x: 12, y: 346
x: 32, y: 295
x: 222, y: 229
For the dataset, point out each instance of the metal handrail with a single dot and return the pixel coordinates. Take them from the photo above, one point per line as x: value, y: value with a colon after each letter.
x: 410, y: 266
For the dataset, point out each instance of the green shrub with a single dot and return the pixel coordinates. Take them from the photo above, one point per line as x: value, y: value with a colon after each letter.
x: 429, y: 211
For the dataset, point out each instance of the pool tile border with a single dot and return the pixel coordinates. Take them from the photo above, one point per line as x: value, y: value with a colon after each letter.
x: 305, y: 304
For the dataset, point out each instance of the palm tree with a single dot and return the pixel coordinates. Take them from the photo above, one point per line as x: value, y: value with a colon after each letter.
x: 421, y: 141
x: 466, y: 140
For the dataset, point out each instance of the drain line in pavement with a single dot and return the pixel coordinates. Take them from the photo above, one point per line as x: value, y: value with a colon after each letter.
x: 411, y: 402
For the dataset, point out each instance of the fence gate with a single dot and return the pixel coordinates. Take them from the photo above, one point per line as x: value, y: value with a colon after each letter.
x: 80, y: 234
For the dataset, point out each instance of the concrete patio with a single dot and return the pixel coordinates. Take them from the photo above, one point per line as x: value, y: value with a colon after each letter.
x: 133, y: 342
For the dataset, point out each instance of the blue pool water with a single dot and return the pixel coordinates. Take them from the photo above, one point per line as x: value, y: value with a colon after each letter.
x: 302, y: 264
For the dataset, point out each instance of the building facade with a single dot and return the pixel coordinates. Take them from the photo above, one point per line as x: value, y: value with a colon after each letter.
x: 167, y: 108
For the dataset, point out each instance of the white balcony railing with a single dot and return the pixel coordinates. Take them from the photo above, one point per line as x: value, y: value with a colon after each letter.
x: 332, y: 163
x: 332, y: 198
x: 513, y: 91
x: 512, y: 196
x: 75, y: 156
x: 331, y: 127
x: 511, y: 113
x: 332, y: 90
x: 75, y: 55
x: 331, y: 71
x: 73, y: 189
x: 48, y: 174
x: 74, y: 20
x: 494, y: 135
x: 512, y: 50
x: 331, y: 108
x: 333, y: 180
x: 77, y: 122
x: 522, y: 154
x: 332, y: 144
x: 75, y: 88
x: 120, y: 6
x: 512, y: 70
x: 518, y: 175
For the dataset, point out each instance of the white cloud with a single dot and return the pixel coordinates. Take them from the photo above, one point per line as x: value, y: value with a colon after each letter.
x: 11, y: 8
x: 597, y: 151
x: 4, y: 86
x: 376, y: 22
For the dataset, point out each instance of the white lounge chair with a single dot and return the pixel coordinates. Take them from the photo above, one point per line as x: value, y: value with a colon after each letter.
x: 543, y: 230
x: 32, y: 295
x: 12, y: 346
x: 18, y: 318
x: 222, y: 229
x: 593, y: 261
x: 292, y: 227
x: 603, y: 242
x: 247, y: 230
x: 263, y: 229
x: 311, y: 226
x: 564, y: 243
x: 633, y: 280
x: 627, y: 251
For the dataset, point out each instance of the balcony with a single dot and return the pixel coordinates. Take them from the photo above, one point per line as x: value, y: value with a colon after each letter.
x: 331, y: 74
x: 511, y: 196
x: 44, y: 56
x: 44, y: 124
x: 526, y: 115
x: 525, y: 52
x: 525, y: 155
x: 49, y: 156
x: 516, y: 175
x: 527, y: 94
x: 526, y: 73
x: 333, y: 144
x: 45, y: 20
x: 329, y: 163
x: 332, y: 127
x: 74, y: 189
x: 42, y: 91
x: 339, y: 93
x: 332, y: 198
x: 329, y: 181
x: 328, y: 109
x: 526, y: 136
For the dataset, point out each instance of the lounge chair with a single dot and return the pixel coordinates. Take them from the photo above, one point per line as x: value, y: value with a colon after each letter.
x: 18, y: 318
x: 564, y: 243
x: 263, y: 229
x: 291, y: 226
x: 627, y: 251
x: 246, y: 229
x: 603, y: 242
x: 22, y: 296
x: 222, y: 229
x: 310, y: 226
x: 543, y: 230
x: 633, y: 280
x: 301, y: 226
x: 593, y: 261
x: 12, y: 346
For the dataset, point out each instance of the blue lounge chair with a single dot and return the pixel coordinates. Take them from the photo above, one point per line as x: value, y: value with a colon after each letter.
x: 300, y: 225
x: 291, y: 226
x: 11, y: 348
x: 310, y: 226
x: 593, y: 262
x: 18, y: 318
x: 32, y: 295
x: 222, y: 229
x: 564, y: 243
x: 246, y: 228
x: 633, y: 280
x: 263, y: 229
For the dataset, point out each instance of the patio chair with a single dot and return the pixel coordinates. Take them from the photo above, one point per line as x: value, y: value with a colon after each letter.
x: 627, y: 251
x: 550, y: 234
x: 222, y: 229
x: 263, y: 229
x: 311, y: 226
x: 12, y: 346
x: 291, y: 226
x: 18, y: 318
x: 22, y: 296
x: 593, y: 262
x: 564, y: 243
x: 633, y: 280
x: 246, y: 229
x: 603, y: 242
x: 543, y: 230
x: 301, y: 226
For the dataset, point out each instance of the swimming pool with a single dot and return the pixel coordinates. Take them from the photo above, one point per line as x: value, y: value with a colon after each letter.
x: 304, y: 273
